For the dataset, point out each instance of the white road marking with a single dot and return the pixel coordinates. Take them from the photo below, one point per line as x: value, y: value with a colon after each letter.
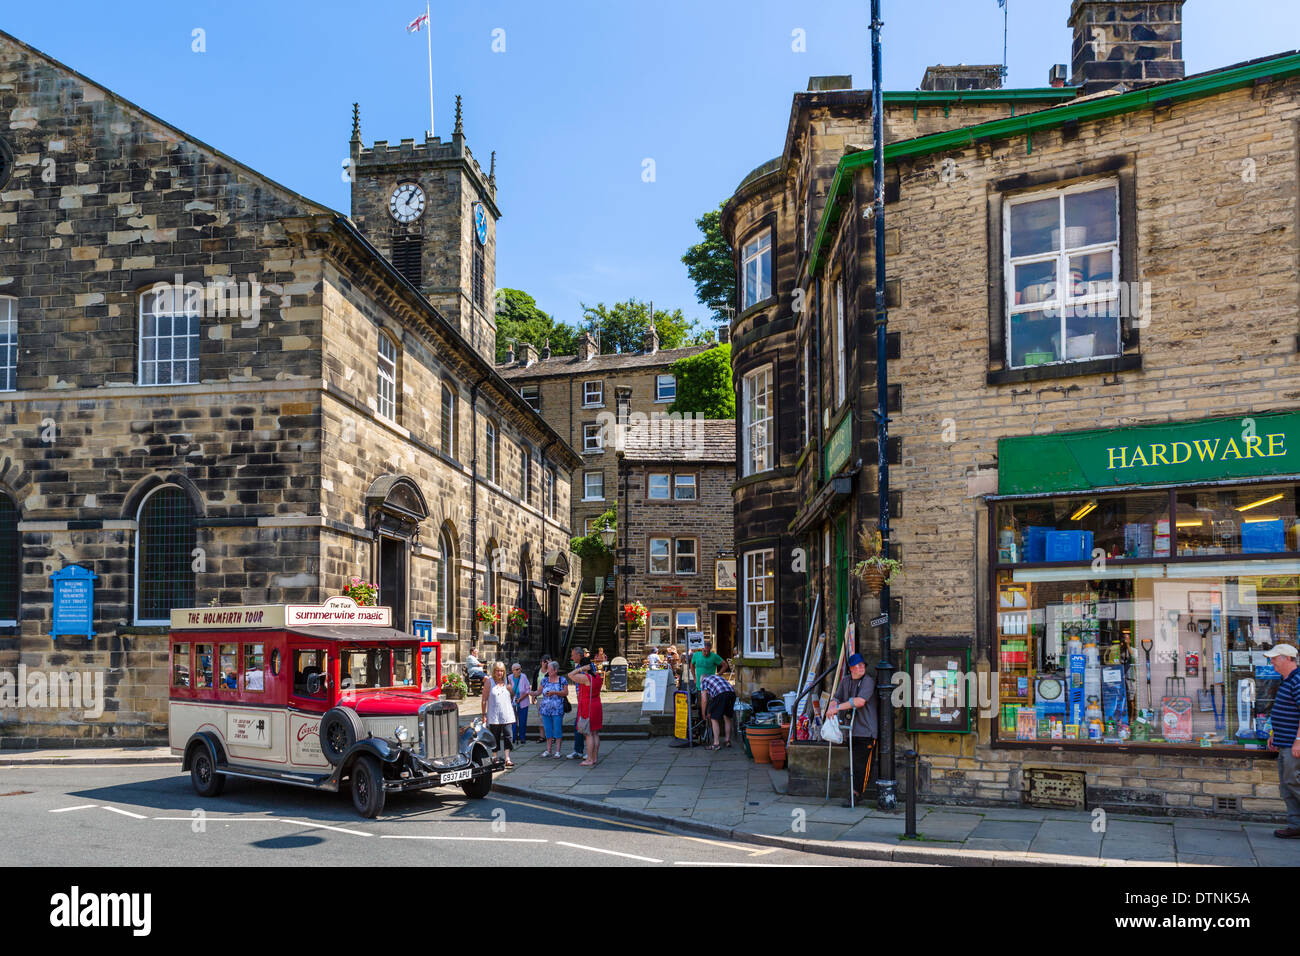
x: 82, y: 806
x: 405, y: 836
x: 127, y: 813
x: 723, y: 863
x: 596, y: 849
x: 325, y: 826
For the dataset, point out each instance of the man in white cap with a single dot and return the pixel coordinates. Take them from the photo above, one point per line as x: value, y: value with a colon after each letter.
x: 1285, y: 718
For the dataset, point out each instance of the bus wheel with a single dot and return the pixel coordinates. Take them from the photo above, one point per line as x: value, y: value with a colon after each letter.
x: 203, y: 774
x: 340, y: 728
x: 367, y: 787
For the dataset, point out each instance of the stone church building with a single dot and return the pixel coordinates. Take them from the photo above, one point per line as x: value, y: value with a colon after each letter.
x: 216, y: 391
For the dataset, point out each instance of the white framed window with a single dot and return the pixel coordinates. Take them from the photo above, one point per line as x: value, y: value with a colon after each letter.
x: 658, y: 486
x: 684, y: 488
x: 661, y: 555
x: 532, y: 395
x: 491, y: 451
x: 686, y: 621
x: 593, y: 394
x: 841, y: 367
x: 757, y: 398
x: 448, y: 423
x: 549, y: 491
x: 8, y: 344
x: 592, y: 439
x: 446, y: 581
x: 665, y: 388
x: 756, y: 267
x: 686, y: 556
x: 1061, y: 272
x: 760, y: 603
x: 593, y: 486
x: 386, y: 387
x: 169, y: 335
x: 661, y: 630
x: 525, y: 475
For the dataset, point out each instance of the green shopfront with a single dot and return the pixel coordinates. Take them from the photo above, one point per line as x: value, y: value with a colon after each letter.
x: 1138, y: 575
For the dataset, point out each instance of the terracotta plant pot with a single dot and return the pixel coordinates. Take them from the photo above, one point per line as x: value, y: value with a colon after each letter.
x: 777, y: 751
x: 760, y: 741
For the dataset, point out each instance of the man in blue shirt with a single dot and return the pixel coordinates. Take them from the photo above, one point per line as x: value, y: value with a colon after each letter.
x: 1285, y: 717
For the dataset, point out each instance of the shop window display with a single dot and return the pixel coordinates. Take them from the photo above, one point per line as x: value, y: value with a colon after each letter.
x: 1156, y: 634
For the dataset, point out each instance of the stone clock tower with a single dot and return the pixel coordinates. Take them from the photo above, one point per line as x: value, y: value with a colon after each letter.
x: 430, y: 209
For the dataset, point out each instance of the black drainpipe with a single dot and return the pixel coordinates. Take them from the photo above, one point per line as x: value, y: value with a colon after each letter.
x: 473, y: 515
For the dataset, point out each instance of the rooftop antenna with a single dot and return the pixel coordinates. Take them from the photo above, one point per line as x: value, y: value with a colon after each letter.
x: 1005, y: 13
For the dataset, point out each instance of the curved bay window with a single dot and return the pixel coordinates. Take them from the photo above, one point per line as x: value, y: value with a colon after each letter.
x: 165, y: 542
x: 1143, y: 618
x: 11, y: 546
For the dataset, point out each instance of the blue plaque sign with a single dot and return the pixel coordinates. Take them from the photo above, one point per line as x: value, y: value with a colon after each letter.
x: 74, y: 601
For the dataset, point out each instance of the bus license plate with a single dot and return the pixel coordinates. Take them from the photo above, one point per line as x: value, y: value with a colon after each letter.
x: 455, y: 775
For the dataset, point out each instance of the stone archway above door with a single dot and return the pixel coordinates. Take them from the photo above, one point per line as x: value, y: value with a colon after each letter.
x: 395, y: 504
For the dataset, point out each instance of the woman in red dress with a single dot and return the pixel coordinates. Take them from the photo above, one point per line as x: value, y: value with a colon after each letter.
x: 590, y: 716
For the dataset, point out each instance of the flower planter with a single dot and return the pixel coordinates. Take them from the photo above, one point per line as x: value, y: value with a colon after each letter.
x: 760, y: 741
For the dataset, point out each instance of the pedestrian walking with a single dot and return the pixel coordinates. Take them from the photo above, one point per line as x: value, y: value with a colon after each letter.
x: 718, y: 700
x: 499, y: 710
x: 521, y: 692
x: 590, y: 713
x: 1285, y: 717
x: 552, y: 689
x: 541, y: 676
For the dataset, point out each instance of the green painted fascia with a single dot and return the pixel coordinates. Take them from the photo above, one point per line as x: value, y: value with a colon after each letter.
x: 1195, y: 87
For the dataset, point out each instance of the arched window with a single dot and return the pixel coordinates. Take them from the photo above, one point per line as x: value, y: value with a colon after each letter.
x: 448, y: 421
x: 386, y: 388
x: 446, y: 581
x: 490, y: 584
x: 8, y: 344
x: 11, y: 546
x: 491, y: 453
x: 164, y: 545
x: 169, y: 334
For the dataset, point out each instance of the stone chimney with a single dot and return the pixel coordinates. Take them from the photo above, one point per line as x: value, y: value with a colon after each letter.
x: 510, y: 352
x: 588, y: 346
x: 651, y: 341
x: 546, y: 349
x: 1057, y: 76
x: 724, y: 334
x: 1131, y: 43
x: 962, y: 77
x: 527, y: 354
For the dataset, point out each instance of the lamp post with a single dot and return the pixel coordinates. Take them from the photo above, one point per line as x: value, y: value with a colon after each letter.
x: 886, y: 782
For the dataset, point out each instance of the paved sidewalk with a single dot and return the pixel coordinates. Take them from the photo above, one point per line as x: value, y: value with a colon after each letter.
x: 724, y: 794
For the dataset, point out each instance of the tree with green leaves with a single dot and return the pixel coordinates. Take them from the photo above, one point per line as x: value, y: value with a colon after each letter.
x: 622, y: 326
x: 704, y: 384
x: 711, y: 266
x: 519, y: 320
x: 592, y: 545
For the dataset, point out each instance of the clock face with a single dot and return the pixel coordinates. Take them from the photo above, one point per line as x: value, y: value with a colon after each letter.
x: 406, y: 204
x: 480, y: 224
x: 1049, y: 688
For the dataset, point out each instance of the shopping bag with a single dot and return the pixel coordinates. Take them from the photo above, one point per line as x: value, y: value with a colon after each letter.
x: 831, y: 732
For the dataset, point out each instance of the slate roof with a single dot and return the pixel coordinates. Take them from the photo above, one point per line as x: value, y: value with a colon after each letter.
x: 610, y: 362
x: 710, y: 440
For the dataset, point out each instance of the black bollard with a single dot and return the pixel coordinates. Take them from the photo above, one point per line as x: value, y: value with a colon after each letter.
x: 909, y: 759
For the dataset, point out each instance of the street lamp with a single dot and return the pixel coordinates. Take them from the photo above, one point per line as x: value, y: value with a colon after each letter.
x: 607, y: 536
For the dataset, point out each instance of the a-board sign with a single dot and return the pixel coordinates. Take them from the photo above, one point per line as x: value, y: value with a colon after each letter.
x: 618, y: 677
x: 655, y: 694
x: 695, y: 640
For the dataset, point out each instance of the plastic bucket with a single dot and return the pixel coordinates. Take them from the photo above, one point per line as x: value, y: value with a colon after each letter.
x: 788, y: 699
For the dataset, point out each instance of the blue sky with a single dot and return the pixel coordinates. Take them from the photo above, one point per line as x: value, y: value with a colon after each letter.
x: 585, y: 91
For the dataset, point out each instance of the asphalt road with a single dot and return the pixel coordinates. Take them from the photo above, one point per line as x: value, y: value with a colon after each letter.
x: 149, y: 815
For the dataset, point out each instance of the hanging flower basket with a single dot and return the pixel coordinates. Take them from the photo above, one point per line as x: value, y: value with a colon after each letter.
x: 487, y: 613
x: 517, y: 617
x: 636, y: 615
x: 361, y: 592
x: 876, y: 571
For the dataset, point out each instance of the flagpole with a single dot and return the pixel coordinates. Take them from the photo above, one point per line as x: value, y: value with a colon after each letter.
x: 428, y: 23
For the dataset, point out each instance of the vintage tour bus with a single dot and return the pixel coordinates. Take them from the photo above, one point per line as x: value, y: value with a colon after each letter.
x: 314, y: 696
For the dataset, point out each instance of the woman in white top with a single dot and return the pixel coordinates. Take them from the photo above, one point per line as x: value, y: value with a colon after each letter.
x: 499, y: 709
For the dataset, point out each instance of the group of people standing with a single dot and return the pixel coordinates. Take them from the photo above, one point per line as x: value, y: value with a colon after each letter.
x: 507, y: 700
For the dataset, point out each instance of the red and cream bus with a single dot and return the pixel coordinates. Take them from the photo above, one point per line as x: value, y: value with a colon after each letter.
x: 314, y: 696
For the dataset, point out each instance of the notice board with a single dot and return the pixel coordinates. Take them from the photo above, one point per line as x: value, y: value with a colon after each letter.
x: 940, y: 689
